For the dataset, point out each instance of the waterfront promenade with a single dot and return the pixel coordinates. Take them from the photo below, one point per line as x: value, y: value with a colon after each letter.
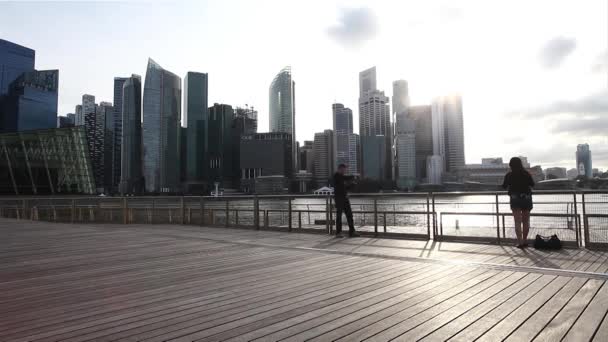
x: 159, y: 282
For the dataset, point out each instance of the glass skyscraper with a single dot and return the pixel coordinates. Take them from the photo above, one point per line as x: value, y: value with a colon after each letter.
x: 14, y: 61
x: 583, y: 161
x: 117, y: 131
x: 131, y: 169
x: 31, y: 102
x: 282, y: 107
x: 195, y: 118
x: 161, y: 129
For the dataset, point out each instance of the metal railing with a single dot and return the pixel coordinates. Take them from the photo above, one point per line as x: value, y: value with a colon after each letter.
x: 578, y: 218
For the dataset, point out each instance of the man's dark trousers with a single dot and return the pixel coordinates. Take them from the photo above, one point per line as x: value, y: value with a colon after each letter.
x: 343, y: 206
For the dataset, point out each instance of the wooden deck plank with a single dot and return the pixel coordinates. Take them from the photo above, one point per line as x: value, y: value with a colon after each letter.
x: 591, y: 319
x: 537, y: 322
x: 601, y: 334
x: 103, y: 282
x: 561, y: 323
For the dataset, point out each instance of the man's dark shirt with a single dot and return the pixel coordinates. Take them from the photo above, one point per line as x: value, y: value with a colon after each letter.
x: 339, y: 186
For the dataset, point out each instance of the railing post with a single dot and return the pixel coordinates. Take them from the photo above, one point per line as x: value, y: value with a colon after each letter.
x: 331, y: 215
x: 202, y: 208
x: 375, y: 217
x: 152, y: 211
x: 256, y: 212
x: 25, y: 211
x: 227, y: 223
x: 384, y: 217
x: 577, y: 225
x: 327, y: 215
x: 435, y: 230
x: 428, y: 216
x: 585, y: 221
x: 125, y: 211
x: 182, y: 210
x: 236, y: 217
x: 289, y: 214
x: 73, y: 211
x: 299, y: 219
x: 497, y: 218
x: 504, y: 232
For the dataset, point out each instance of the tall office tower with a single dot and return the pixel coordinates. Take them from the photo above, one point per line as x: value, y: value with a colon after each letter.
x: 102, y: 153
x: 161, y: 129
x: 220, y: 147
x: 71, y: 118
x: 323, y: 154
x: 421, y: 115
x: 195, y: 119
x: 65, y: 121
x: 401, y: 98
x: 374, y: 157
x: 374, y: 118
x: 346, y: 144
x: 117, y: 131
x: 79, y: 119
x: 306, y: 156
x: 434, y: 165
x: 583, y: 161
x: 31, y: 102
x: 88, y: 121
x: 14, y: 61
x: 246, y: 120
x: 282, y: 105
x: 405, y: 148
x: 448, y: 131
x: 131, y: 166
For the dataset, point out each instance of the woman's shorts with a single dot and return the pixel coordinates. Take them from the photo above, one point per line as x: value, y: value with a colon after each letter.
x: 521, y: 201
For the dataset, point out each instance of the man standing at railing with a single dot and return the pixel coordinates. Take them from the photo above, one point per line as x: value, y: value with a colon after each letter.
x: 342, y: 202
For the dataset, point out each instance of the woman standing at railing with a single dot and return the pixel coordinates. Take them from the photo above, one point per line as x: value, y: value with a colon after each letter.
x: 519, y: 184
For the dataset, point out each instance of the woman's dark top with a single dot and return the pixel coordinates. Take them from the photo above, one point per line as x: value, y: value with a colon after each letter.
x: 518, y: 182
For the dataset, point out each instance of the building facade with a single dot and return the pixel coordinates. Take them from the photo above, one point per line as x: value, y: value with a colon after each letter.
x: 79, y: 118
x: 117, y: 131
x: 14, y: 61
x: 434, y: 169
x: 346, y: 143
x: 196, y: 112
x: 264, y: 154
x: 405, y: 150
x: 421, y: 115
x: 220, y: 148
x: 45, y: 162
x: 556, y: 173
x: 373, y: 155
x: 583, y: 161
x: 282, y: 107
x: 131, y: 165
x: 30, y: 102
x: 103, y: 150
x: 448, y: 131
x: 323, y: 155
x: 161, y: 129
x: 306, y: 156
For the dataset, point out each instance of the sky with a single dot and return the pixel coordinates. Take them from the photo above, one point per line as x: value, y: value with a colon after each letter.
x: 533, y: 74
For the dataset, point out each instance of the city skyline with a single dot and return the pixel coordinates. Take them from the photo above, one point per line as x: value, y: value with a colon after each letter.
x: 554, y: 120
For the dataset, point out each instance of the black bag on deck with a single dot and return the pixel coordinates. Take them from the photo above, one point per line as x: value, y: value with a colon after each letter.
x: 544, y: 242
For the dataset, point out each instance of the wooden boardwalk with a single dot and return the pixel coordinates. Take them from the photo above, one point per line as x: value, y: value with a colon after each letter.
x: 61, y: 282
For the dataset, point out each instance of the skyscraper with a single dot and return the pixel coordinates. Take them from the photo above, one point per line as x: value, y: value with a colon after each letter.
x: 195, y: 118
x: 583, y: 161
x: 14, y: 61
x: 31, y: 102
x: 117, y: 131
x: 401, y: 99
x: 306, y: 156
x: 161, y: 129
x: 374, y: 118
x: 79, y: 118
x: 346, y: 144
x: 282, y: 105
x: 405, y: 148
x: 131, y: 167
x: 323, y: 154
x: 220, y: 149
x: 448, y: 131
x: 89, y: 120
x: 103, y: 149
x: 421, y: 115
x: 374, y: 157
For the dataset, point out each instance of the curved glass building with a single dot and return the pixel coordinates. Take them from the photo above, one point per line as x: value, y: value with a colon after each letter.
x: 131, y: 177
x: 161, y: 133
x: 282, y: 107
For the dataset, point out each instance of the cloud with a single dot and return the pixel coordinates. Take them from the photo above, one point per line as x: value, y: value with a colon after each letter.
x: 601, y: 64
x: 555, y: 51
x: 355, y: 27
x: 593, y: 104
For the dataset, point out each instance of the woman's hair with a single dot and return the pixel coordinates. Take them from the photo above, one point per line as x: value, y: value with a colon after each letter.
x: 516, y: 165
